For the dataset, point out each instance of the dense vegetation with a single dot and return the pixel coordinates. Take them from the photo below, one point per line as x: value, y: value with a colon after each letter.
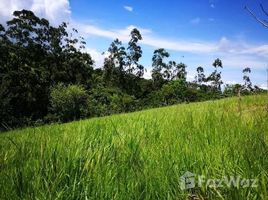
x: 47, y: 76
x: 141, y: 155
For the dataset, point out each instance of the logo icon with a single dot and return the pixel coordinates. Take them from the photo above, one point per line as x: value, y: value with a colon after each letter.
x: 187, y: 181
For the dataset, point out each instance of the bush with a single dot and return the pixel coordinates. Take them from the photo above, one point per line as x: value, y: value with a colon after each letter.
x: 174, y: 92
x: 68, y: 102
x: 107, y: 101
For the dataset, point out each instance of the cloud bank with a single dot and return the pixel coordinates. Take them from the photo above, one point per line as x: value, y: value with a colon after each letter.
x: 223, y: 46
x: 56, y: 11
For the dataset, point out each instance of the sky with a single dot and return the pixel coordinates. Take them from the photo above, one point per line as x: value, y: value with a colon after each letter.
x: 193, y: 32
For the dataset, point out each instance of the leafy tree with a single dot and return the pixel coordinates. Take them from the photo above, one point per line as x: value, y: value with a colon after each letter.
x: 46, y: 75
x: 247, y: 82
x: 180, y: 72
x: 174, y: 92
x: 134, y: 54
x: 159, y: 66
x: 167, y: 73
x: 200, y: 78
x: 68, y: 102
x: 35, y: 57
x: 215, y: 76
x: 114, y: 64
x: 163, y: 71
x: 232, y: 89
x: 106, y: 100
x: 22, y: 74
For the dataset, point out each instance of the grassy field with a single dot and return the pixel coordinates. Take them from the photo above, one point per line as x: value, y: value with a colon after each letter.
x: 141, y: 155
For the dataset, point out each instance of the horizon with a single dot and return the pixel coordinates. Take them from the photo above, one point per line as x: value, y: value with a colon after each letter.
x: 182, y: 28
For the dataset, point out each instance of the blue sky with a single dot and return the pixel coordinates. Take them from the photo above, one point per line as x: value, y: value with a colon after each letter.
x: 194, y: 32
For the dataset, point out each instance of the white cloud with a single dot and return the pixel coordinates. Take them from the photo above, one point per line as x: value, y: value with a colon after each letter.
x: 91, y: 30
x: 148, y: 73
x: 235, y: 55
x: 56, y: 11
x: 128, y: 8
x: 195, y: 20
x: 97, y: 56
x: 259, y: 50
x: 263, y: 86
x: 223, y: 46
x: 242, y: 61
x: 148, y: 39
x: 177, y: 45
x: 242, y: 48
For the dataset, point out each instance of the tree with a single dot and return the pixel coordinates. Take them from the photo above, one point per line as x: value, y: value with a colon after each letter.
x: 23, y: 75
x: 247, y: 82
x: 114, y: 64
x: 200, y: 78
x: 68, y: 102
x: 46, y: 75
x: 180, y: 72
x: 159, y: 65
x: 107, y: 100
x: 215, y: 76
x: 174, y: 92
x: 232, y: 90
x: 34, y: 57
x: 134, y: 54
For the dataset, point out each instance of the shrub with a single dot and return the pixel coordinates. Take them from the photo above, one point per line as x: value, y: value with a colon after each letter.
x: 107, y: 101
x: 174, y: 92
x: 68, y: 102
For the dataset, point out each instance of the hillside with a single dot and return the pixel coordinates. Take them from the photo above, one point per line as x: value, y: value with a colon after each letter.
x: 141, y: 155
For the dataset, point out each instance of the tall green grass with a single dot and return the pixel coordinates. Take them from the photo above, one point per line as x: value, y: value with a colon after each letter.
x: 140, y: 155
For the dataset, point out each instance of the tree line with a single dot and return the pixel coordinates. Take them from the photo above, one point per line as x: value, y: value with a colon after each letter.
x: 47, y: 76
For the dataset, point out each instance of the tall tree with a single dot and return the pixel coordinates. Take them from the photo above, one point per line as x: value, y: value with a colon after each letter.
x: 134, y: 54
x: 159, y: 65
x: 200, y: 77
x: 179, y: 72
x: 114, y: 64
x: 247, y: 82
x: 215, y: 76
x: 36, y: 57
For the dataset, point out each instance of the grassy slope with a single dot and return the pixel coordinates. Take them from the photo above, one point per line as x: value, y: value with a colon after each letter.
x: 140, y: 155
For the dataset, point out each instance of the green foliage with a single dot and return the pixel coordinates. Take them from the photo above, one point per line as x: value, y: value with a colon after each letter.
x: 35, y: 57
x: 46, y: 76
x: 174, y: 92
x: 247, y: 87
x: 106, y: 101
x: 160, y: 71
x: 113, y: 69
x: 163, y: 72
x: 179, y: 72
x: 68, y: 102
x: 134, y: 54
x: 232, y: 89
x: 200, y: 78
x: 215, y: 76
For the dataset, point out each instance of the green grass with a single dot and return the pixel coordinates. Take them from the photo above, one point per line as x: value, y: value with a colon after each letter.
x: 140, y: 155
